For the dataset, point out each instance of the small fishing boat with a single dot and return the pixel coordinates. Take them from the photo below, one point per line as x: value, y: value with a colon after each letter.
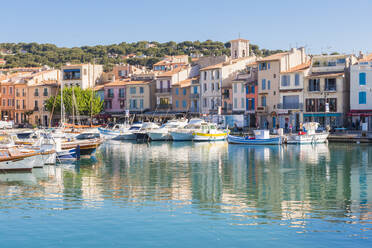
x: 163, y: 133
x: 261, y: 137
x: 210, y: 132
x: 15, y: 160
x: 308, y: 135
x: 117, y: 129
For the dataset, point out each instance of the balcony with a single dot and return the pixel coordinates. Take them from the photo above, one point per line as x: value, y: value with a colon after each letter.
x: 195, y: 95
x: 164, y: 106
x: 164, y: 90
x: 295, y: 105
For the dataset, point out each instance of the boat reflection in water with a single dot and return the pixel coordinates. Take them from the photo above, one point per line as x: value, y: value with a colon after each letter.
x: 281, y: 191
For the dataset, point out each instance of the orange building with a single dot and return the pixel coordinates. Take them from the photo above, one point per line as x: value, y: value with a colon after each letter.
x: 20, y: 110
x: 7, y: 101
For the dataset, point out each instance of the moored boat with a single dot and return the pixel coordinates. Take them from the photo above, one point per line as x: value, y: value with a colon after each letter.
x: 308, y: 135
x: 261, y: 137
x: 186, y: 133
x: 210, y: 132
x: 163, y: 133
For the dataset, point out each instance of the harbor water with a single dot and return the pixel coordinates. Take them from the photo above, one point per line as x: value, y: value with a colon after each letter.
x: 183, y: 194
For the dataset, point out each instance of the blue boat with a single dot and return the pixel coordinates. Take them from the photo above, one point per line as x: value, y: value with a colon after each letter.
x: 262, y: 137
x: 69, y: 155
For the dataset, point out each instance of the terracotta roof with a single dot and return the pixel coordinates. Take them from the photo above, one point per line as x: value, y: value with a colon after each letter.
x: 117, y: 83
x: 325, y: 74
x: 276, y: 56
x: 170, y: 73
x: 300, y: 67
x: 185, y: 83
x: 137, y: 82
x: 98, y: 87
x: 211, y: 67
x: 366, y: 58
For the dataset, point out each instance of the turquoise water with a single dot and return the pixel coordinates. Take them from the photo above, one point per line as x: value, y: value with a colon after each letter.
x: 194, y: 195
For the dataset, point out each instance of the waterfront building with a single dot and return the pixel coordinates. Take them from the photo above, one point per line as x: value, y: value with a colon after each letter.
x: 215, y: 77
x: 326, y: 90
x: 291, y: 96
x: 115, y: 97
x: 140, y: 96
x: 181, y: 92
x: 126, y: 71
x: 164, y: 84
x: 21, y: 106
x: 37, y: 94
x: 82, y: 75
x: 269, y: 69
x: 227, y: 100
x: 361, y: 92
x: 7, y: 100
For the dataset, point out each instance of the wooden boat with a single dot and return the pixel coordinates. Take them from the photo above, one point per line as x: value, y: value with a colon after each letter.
x: 87, y: 147
x: 262, y: 137
x: 14, y: 159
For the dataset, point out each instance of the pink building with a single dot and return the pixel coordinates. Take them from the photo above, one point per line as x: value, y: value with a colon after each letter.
x: 115, y: 97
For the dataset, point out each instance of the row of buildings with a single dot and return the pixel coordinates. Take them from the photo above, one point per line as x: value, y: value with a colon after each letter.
x: 281, y: 90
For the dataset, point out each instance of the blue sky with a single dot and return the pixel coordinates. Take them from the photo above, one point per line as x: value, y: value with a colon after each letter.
x: 320, y: 25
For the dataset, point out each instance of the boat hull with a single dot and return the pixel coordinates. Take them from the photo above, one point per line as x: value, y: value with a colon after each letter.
x: 209, y: 137
x: 181, y: 136
x: 245, y: 141
x: 125, y: 136
x: 308, y: 139
x: 19, y: 165
x: 159, y: 136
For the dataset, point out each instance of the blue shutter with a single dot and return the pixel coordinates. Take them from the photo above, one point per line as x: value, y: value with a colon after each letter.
x: 362, y: 97
x: 252, y: 90
x: 263, y: 84
x: 297, y: 79
x: 252, y: 103
x: 268, y: 65
x: 268, y: 84
x: 362, y: 78
x: 259, y: 67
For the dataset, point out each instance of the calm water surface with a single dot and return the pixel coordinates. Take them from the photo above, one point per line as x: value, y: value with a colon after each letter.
x: 194, y: 195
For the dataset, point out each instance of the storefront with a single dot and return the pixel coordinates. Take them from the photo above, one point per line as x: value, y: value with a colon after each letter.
x: 358, y: 117
x: 332, y: 119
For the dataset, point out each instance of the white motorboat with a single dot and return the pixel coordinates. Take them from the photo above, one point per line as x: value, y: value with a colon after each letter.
x: 129, y: 134
x: 163, y: 133
x: 309, y: 135
x: 210, y: 132
x: 117, y: 129
x: 141, y: 134
x: 187, y: 133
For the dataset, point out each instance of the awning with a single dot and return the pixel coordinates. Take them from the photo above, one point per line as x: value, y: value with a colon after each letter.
x: 323, y: 115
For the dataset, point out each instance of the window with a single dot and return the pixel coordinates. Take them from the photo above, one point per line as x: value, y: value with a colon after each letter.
x: 36, y: 92
x: 362, y: 78
x: 45, y: 92
x: 212, y: 75
x: 36, y: 105
x: 291, y: 102
x: 195, y: 89
x: 285, y: 80
x: 71, y: 74
x: 205, y: 75
x: 4, y: 102
x: 212, y: 104
x: 247, y: 89
x: 9, y: 102
x: 320, y: 105
x: 235, y: 103
x: 235, y: 88
x: 362, y: 97
x: 297, y: 79
x: 164, y: 101
x: 332, y: 104
x: 268, y: 84
x: 314, y: 84
x: 264, y: 84
x: 184, y: 104
x: 217, y: 86
x: 263, y: 101
x: 205, y: 87
x: 310, y: 105
x: 252, y: 89
x: 141, y: 90
x: 4, y: 90
x: 122, y: 104
x: 330, y: 84
x: 177, y: 91
x: 133, y: 104
x: 176, y: 103
x: 268, y: 66
x: 262, y: 66
x: 242, y: 102
x: 252, y: 104
x: 141, y: 103
x: 205, y: 102
x: 168, y: 84
x: 184, y: 91
x: 212, y: 86
x: 10, y: 90
x: 133, y: 90
x: 242, y: 85
x: 121, y: 93
x: 110, y: 93
x: 217, y: 74
x: 23, y: 92
x: 17, y: 92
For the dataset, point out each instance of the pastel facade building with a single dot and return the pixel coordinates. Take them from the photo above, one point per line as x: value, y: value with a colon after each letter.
x: 326, y: 90
x: 291, y: 102
x: 171, y: 62
x: 115, y: 97
x: 269, y: 69
x: 7, y: 101
x: 361, y: 93
x: 181, y: 91
x: 82, y: 75
x: 140, y: 96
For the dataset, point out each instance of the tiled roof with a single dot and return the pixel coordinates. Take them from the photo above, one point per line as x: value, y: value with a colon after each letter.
x: 240, y: 39
x: 276, y: 56
x: 98, y: 87
x: 172, y: 72
x: 137, y: 82
x: 300, y: 67
x: 117, y: 83
x: 185, y: 83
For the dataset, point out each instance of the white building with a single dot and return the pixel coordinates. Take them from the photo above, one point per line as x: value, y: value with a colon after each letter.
x: 361, y: 92
x: 82, y: 75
